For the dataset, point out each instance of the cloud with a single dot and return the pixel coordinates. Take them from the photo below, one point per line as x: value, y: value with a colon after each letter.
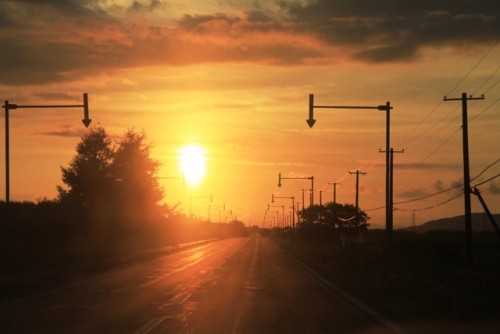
x: 382, y: 31
x: 426, y: 166
x: 58, y: 41
x: 413, y: 193
x: 65, y: 132
x: 494, y: 188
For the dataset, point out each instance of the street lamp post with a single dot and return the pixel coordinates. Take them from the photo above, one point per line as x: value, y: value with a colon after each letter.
x: 299, y: 178
x: 293, y: 206
x: 191, y: 204
x: 269, y: 206
x: 224, y: 210
x: 387, y: 108
x: 11, y: 106
x: 276, y: 219
x: 223, y: 207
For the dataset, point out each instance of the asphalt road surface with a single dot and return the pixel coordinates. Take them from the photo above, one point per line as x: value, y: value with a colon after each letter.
x: 239, y: 285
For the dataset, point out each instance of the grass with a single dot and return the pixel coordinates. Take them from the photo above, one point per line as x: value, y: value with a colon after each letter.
x: 416, y: 276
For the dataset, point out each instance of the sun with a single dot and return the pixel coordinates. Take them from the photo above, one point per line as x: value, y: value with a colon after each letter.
x: 193, y: 163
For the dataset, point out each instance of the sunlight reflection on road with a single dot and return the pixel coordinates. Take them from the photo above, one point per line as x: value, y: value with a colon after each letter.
x: 196, y: 256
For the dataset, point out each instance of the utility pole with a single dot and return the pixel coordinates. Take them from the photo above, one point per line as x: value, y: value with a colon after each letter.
x: 467, y: 190
x: 357, y: 172
x: 334, y: 199
x: 334, y: 191
x: 269, y: 206
x: 390, y: 210
x: 303, y: 205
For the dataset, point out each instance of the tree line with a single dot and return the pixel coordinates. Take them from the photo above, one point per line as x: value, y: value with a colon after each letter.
x: 333, y: 221
x: 109, y: 203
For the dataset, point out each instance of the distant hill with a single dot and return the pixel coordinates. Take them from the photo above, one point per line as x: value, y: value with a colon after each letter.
x: 480, y: 223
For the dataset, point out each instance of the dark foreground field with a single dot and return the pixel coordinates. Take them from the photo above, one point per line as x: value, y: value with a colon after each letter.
x: 417, y: 276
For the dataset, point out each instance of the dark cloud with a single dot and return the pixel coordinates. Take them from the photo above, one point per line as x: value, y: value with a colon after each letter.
x: 64, y: 40
x: 65, y: 132
x: 494, y: 188
x: 57, y: 96
x: 413, y: 193
x: 139, y: 7
x: 390, y: 30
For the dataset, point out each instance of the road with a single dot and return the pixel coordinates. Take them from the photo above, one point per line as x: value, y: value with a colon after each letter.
x: 238, y: 285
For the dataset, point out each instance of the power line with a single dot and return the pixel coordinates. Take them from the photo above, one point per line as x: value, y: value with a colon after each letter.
x: 450, y: 188
x: 484, y: 82
x: 432, y: 206
x: 486, y: 181
x: 439, y: 147
x: 404, y: 142
x: 430, y: 195
x: 473, y: 68
x: 375, y: 209
x: 484, y: 110
x: 486, y: 168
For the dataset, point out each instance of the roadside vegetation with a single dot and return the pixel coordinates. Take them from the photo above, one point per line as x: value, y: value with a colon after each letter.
x: 416, y: 276
x: 108, y: 211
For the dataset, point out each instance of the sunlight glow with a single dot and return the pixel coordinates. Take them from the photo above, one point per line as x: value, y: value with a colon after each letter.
x: 192, y: 162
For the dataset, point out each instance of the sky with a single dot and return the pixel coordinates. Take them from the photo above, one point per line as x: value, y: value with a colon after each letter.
x: 234, y: 76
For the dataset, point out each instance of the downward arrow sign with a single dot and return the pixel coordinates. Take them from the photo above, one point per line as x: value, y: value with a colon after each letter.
x: 311, y: 119
x: 86, y: 120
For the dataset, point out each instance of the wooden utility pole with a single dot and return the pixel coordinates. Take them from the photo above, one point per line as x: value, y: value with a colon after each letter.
x: 467, y: 190
x: 357, y: 172
x: 334, y: 192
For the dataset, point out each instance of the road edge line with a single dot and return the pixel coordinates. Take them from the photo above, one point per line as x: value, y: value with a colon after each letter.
x: 379, y: 317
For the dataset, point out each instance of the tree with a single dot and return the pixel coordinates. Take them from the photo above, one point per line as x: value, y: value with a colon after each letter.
x: 137, y: 191
x: 88, y: 178
x: 336, y: 219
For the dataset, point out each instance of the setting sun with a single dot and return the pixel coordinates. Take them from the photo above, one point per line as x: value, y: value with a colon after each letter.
x: 192, y: 162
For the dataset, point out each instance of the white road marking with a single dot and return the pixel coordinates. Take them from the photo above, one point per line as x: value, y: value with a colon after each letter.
x: 150, y: 325
x: 349, y: 297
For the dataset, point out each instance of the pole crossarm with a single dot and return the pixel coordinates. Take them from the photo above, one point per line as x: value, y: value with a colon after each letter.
x: 470, y: 97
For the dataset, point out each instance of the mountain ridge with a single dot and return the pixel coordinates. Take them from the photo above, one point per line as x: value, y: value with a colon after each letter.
x: 480, y: 223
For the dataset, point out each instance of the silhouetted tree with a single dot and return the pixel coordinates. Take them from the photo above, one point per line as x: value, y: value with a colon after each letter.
x: 112, y: 187
x: 336, y: 219
x: 137, y: 191
x: 88, y: 179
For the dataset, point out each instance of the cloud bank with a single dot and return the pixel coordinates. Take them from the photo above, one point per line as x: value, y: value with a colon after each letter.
x: 60, y: 40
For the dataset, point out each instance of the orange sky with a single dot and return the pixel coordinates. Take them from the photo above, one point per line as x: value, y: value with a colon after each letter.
x: 234, y: 77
